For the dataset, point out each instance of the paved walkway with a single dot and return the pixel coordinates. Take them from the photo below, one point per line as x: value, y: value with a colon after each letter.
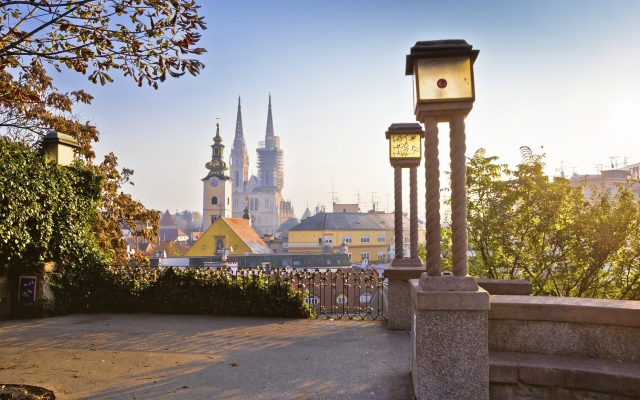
x: 144, y: 356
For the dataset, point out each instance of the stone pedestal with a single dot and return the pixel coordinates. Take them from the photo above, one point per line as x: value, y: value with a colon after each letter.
x: 449, y: 338
x: 399, y: 306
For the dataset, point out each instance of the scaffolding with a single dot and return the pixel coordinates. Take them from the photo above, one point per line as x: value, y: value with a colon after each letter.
x: 271, y: 164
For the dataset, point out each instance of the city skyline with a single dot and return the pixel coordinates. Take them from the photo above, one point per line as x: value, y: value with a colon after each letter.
x: 559, y: 76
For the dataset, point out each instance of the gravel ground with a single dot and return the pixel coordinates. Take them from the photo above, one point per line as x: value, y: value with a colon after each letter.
x: 145, y: 356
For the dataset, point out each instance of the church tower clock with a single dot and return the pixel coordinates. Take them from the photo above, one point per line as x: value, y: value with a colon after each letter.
x: 216, y: 185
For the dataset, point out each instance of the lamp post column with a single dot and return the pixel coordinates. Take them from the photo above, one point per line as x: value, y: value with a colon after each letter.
x: 413, y: 211
x: 432, y: 197
x: 458, y: 196
x: 397, y: 197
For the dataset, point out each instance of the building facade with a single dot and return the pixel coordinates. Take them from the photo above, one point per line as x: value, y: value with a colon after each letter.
x: 367, y: 235
x: 262, y: 194
x: 609, y: 180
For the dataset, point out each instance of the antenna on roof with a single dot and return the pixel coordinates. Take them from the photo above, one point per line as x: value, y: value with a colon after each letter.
x: 599, y: 167
x: 373, y: 201
x: 358, y: 199
x: 334, y: 198
x: 626, y: 161
x: 386, y: 209
x: 614, y: 161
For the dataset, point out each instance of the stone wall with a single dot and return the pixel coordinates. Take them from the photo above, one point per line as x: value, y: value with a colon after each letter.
x: 564, y: 348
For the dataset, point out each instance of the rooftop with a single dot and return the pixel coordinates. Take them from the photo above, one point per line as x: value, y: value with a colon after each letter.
x: 350, y: 221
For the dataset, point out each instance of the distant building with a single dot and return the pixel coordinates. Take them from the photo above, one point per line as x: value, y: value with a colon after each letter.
x: 169, y: 231
x: 262, y: 193
x: 608, y: 180
x: 232, y: 234
x: 216, y: 201
x: 368, y: 235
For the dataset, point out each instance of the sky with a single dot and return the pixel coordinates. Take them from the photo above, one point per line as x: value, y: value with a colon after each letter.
x: 559, y: 77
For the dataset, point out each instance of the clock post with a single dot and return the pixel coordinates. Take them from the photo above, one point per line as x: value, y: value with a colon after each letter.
x: 405, y: 151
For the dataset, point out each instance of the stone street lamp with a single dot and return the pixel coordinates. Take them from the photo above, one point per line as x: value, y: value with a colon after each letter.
x: 450, y: 345
x: 444, y: 91
x: 405, y: 151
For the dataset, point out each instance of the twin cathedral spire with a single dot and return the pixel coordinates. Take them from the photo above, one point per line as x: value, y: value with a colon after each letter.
x: 260, y: 194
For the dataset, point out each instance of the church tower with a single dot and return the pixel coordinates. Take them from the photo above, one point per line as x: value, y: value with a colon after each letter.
x: 239, y: 161
x: 216, y: 185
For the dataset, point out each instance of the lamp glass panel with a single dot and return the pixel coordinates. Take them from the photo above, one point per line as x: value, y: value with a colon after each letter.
x: 405, y: 146
x: 444, y: 78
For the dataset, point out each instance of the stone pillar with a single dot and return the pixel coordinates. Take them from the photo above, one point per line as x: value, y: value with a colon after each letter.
x: 449, y: 338
x: 432, y: 196
x: 398, y: 298
x: 413, y: 211
x: 459, y: 248
x: 397, y: 199
x: 449, y: 331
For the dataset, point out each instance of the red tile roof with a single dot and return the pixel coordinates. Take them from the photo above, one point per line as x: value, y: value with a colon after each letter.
x: 246, y: 233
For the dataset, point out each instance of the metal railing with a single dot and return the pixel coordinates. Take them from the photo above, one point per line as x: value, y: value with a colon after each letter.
x: 332, y: 293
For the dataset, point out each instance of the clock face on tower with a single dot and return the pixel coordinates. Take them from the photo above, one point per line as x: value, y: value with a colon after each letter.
x: 213, y: 181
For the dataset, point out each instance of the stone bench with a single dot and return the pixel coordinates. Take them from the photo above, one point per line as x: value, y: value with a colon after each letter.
x: 540, y: 376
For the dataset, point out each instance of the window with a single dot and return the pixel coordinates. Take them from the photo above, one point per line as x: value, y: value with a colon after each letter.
x: 328, y: 262
x: 341, y: 299
x: 381, y: 255
x: 228, y: 201
x: 312, y: 300
x: 364, y: 256
x: 364, y: 239
x: 216, y: 150
x: 338, y: 261
x: 214, y: 200
x: 382, y: 238
x: 365, y: 298
x: 346, y: 239
x: 213, y: 218
x: 296, y: 263
x: 407, y: 239
x: 328, y: 239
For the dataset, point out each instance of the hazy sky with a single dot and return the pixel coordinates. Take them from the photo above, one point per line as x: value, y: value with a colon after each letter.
x: 560, y: 74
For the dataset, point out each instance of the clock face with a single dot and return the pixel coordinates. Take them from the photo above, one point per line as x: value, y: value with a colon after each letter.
x: 213, y: 181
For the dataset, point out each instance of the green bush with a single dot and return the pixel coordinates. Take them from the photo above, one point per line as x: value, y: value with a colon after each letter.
x: 182, y: 291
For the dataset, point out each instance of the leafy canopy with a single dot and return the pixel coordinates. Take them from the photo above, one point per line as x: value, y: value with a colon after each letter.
x: 524, y: 226
x: 147, y: 40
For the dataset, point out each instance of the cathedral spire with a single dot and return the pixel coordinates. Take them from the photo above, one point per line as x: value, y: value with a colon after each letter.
x: 269, y: 135
x: 239, y: 132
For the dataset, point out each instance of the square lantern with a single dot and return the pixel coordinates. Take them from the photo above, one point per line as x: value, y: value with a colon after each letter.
x: 59, y: 147
x: 405, y: 144
x: 442, y: 71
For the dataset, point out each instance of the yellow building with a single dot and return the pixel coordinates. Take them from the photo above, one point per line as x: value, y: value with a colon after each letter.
x: 232, y: 234
x: 367, y: 235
